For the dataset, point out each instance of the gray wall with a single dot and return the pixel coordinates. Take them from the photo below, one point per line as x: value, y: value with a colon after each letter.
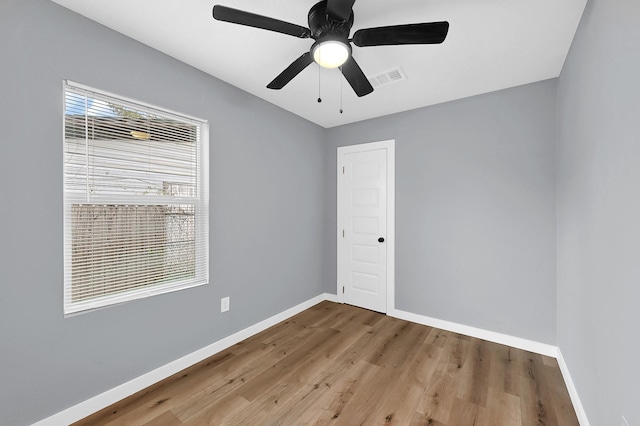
x: 267, y: 180
x: 599, y: 211
x: 475, y: 209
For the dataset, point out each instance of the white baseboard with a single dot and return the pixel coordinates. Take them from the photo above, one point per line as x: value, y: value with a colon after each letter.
x: 98, y: 402
x: 492, y: 336
x: 573, y: 392
x: 103, y: 400
x: 505, y: 339
x: 331, y: 298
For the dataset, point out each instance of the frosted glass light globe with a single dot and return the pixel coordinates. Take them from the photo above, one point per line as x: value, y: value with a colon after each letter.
x: 331, y: 54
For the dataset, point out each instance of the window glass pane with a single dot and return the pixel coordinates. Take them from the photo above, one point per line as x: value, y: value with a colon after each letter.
x: 135, y: 205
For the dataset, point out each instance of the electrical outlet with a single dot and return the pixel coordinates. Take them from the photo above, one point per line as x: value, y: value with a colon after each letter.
x: 224, y: 304
x: 624, y: 422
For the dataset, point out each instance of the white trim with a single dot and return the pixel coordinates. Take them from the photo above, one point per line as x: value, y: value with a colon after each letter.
x: 79, y: 165
x: 339, y: 227
x: 331, y: 298
x: 390, y: 146
x: 492, y: 336
x: 98, y: 402
x: 391, y: 225
x: 505, y: 339
x: 133, y: 102
x: 573, y: 392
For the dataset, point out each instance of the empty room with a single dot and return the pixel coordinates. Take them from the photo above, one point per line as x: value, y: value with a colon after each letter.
x: 208, y: 218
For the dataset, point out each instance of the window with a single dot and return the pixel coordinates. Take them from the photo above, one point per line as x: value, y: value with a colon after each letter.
x: 135, y: 200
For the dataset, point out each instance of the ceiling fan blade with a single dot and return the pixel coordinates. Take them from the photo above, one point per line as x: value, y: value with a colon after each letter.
x: 356, y: 78
x: 292, y: 70
x: 235, y: 16
x: 427, y: 33
x: 340, y: 10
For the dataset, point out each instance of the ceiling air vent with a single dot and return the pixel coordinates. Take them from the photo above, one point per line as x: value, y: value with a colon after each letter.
x: 391, y: 76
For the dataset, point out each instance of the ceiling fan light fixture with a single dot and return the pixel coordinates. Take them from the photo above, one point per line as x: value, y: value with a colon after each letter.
x: 330, y: 53
x: 330, y: 24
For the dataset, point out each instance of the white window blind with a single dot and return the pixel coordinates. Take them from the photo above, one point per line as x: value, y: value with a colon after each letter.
x: 135, y: 200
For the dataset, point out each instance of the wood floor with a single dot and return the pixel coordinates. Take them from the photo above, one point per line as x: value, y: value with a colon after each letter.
x: 342, y: 365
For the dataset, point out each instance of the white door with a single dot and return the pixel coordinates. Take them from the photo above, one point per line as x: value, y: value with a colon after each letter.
x: 363, y: 225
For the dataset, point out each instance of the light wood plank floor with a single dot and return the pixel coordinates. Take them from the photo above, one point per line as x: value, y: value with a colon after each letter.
x: 338, y: 364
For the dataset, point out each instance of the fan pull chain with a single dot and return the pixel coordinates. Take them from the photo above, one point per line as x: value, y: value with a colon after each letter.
x: 341, y: 90
x: 319, y: 71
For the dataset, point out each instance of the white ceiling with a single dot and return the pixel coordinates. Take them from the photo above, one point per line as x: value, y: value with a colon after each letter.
x: 491, y: 45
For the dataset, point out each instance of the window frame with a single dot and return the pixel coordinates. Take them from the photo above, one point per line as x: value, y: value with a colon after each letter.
x: 200, y: 202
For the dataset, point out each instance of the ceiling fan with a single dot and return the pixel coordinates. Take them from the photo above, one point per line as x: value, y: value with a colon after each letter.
x: 330, y: 23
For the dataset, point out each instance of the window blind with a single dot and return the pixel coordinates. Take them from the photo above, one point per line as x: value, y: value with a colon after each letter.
x: 135, y: 199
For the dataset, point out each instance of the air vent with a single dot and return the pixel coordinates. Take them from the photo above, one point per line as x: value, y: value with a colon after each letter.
x: 391, y: 76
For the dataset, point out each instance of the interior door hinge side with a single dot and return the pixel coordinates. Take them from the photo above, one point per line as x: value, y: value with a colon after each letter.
x: 343, y: 233
x: 342, y: 169
x: 342, y: 289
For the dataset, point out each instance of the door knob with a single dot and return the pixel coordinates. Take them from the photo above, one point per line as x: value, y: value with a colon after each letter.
x: 381, y: 240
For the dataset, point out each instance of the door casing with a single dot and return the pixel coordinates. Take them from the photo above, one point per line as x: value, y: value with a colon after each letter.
x: 390, y: 239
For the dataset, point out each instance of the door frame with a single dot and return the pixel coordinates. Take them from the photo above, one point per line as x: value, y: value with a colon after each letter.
x: 390, y: 238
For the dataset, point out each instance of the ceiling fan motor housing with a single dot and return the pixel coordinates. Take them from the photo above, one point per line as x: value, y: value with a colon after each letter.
x: 322, y: 25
